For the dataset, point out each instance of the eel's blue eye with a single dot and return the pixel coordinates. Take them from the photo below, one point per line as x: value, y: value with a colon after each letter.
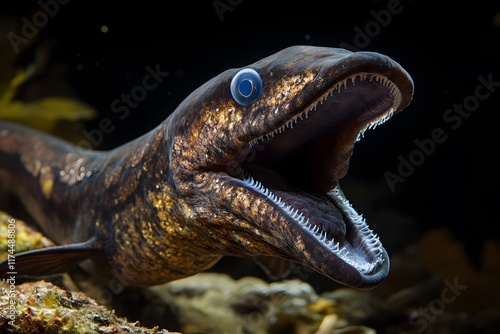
x: 246, y: 86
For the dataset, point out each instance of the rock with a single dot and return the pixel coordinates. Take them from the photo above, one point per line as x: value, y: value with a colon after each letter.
x: 43, y: 307
x: 216, y: 303
x: 25, y: 239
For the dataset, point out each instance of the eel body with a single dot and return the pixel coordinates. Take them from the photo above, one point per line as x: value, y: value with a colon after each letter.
x: 247, y: 165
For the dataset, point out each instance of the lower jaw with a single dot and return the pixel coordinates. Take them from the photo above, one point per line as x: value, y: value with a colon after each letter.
x: 311, y: 213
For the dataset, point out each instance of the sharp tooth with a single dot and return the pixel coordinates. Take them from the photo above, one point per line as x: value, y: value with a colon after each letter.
x: 371, y: 240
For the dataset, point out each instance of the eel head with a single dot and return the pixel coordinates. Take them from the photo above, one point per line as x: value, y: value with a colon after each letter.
x: 258, y: 153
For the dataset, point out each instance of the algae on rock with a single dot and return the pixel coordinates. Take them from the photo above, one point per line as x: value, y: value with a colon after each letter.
x: 41, y: 307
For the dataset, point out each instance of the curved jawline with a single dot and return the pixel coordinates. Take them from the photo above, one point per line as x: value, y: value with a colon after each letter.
x: 346, y: 252
x: 362, y: 253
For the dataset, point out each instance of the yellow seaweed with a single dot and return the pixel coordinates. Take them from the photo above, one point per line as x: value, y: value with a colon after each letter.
x: 44, y: 113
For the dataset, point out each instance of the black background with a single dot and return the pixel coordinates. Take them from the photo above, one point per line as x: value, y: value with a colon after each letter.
x: 444, y: 46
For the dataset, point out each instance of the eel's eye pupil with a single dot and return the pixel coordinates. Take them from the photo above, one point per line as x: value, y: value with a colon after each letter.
x: 246, y: 86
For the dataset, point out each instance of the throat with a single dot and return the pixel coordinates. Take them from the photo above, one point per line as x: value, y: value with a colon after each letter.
x: 314, y: 166
x: 292, y: 174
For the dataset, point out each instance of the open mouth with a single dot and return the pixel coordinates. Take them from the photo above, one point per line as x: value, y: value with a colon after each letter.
x: 297, y: 167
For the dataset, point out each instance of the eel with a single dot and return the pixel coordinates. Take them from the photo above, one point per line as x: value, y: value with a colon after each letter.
x: 247, y: 165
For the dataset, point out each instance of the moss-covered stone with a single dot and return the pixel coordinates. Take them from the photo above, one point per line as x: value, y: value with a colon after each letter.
x: 41, y: 307
x: 25, y: 237
x: 217, y: 303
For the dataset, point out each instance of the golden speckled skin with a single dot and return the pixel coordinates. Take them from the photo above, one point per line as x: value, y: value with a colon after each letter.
x: 169, y: 204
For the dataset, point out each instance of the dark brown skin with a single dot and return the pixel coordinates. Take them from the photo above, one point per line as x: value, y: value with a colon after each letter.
x: 174, y: 201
